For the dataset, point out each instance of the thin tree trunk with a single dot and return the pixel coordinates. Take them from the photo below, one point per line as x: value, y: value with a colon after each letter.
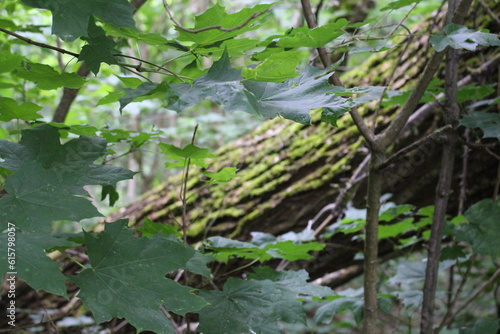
x: 371, y: 245
x: 443, y: 189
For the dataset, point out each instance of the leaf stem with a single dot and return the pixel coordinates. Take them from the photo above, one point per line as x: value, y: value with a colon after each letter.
x: 73, y: 259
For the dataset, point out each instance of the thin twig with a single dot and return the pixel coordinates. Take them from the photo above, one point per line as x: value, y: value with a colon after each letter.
x: 122, y: 324
x: 185, y: 220
x: 355, y: 178
x: 138, y: 68
x: 438, y: 136
x: 389, y: 80
x: 443, y: 188
x: 401, y: 21
x: 177, y: 328
x: 391, y: 133
x: 479, y: 291
x: 42, y: 45
x: 460, y: 288
x: 463, y: 176
x: 493, y: 16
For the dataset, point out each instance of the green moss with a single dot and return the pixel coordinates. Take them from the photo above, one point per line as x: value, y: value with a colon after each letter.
x: 195, y: 229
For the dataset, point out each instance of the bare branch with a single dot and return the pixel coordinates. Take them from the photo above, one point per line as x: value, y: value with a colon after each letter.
x: 42, y: 45
x: 479, y: 291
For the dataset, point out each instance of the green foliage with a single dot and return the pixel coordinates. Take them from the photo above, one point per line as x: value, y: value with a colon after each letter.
x: 33, y: 265
x: 99, y: 49
x: 70, y: 18
x: 46, y: 186
x: 294, y: 281
x: 483, y: 326
x: 49, y: 177
x: 149, y: 228
x: 460, y: 37
x: 251, y: 306
x: 395, y: 222
x: 276, y: 68
x: 398, y: 4
x: 487, y: 122
x: 46, y: 77
x: 225, y: 248
x: 193, y: 153
x: 312, y: 38
x: 127, y: 274
x: 350, y: 300
x: 222, y: 176
x: 216, y: 15
x: 292, y: 99
x: 9, y: 110
x: 482, y: 230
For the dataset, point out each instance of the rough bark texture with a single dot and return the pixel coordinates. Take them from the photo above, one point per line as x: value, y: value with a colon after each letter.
x: 291, y: 171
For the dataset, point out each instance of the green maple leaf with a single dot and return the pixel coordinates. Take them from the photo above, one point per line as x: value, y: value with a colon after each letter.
x: 37, y: 196
x: 292, y: 99
x: 70, y: 18
x: 46, y: 77
x: 155, y: 39
x: 49, y: 177
x: 225, y: 248
x: 145, y: 89
x: 294, y: 281
x: 460, y: 37
x: 277, y: 68
x: 222, y: 176
x: 489, y: 123
x: 26, y: 111
x: 312, y: 38
x: 221, y: 84
x: 398, y: 4
x: 250, y: 306
x: 217, y: 15
x: 32, y: 264
x: 325, y: 313
x: 47, y: 185
x: 100, y: 48
x: 127, y: 278
x: 195, y: 154
x: 483, y: 230
x: 9, y: 61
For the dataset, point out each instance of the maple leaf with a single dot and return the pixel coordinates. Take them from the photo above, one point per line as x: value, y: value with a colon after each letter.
x: 127, y: 278
x: 47, y: 185
x: 70, y: 18
x: 250, y: 306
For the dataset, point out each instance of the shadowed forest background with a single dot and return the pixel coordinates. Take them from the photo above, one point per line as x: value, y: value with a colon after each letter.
x: 253, y: 167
